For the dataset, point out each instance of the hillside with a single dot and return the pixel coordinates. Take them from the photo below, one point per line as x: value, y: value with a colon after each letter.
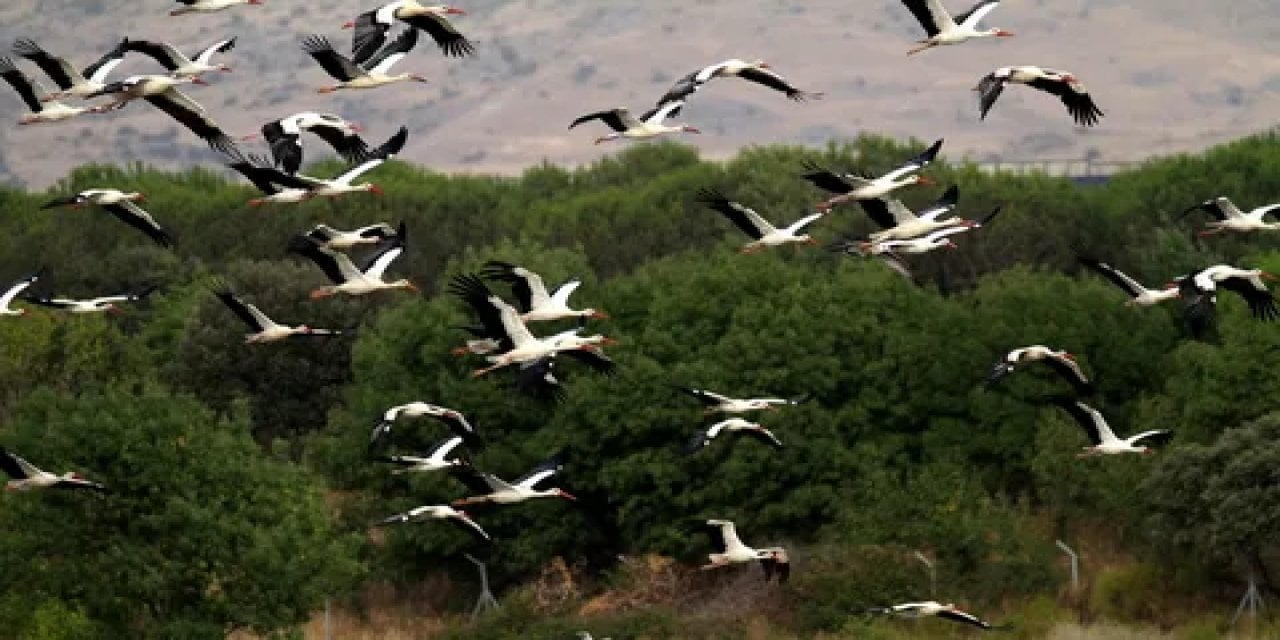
x: 1172, y: 75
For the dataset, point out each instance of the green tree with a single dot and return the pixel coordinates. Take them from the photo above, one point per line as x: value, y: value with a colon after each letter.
x: 199, y: 535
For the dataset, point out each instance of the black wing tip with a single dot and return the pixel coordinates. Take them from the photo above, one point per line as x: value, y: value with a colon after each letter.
x: 316, y: 43
x: 711, y: 196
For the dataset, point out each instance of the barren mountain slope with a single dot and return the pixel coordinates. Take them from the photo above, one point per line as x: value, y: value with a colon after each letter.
x: 1171, y: 75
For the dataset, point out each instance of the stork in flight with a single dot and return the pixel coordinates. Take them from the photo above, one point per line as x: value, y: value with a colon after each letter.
x: 1138, y: 294
x: 852, y: 186
x: 758, y: 72
x: 372, y: 73
x: 943, y: 29
x: 762, y: 232
x: 264, y: 328
x: 492, y: 489
x: 345, y: 276
x: 736, y: 426
x: 1229, y: 217
x: 716, y: 402
x: 934, y: 609
x: 1103, y: 439
x: 1062, y: 362
x: 648, y: 125
x: 371, y: 27
x: 534, y: 303
x: 72, y: 83
x: 439, y: 512
x: 8, y: 295
x: 774, y: 560
x: 25, y: 476
x: 1063, y: 84
x: 101, y: 304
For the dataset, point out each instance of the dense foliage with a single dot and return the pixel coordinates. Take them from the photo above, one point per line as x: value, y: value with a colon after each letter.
x: 901, y: 448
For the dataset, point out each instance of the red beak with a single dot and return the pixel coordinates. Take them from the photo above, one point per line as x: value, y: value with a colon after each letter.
x: 375, y: 190
x: 349, y: 25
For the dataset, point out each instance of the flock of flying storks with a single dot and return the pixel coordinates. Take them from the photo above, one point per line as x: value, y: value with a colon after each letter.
x: 501, y: 333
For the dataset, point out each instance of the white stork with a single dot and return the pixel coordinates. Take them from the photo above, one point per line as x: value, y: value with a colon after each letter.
x: 763, y: 233
x: 72, y: 83
x: 107, y: 304
x: 331, y: 238
x: 1198, y: 292
x: 1138, y: 294
x: 923, y: 244
x: 533, y: 301
x: 346, y: 277
x: 1229, y: 217
x: 1063, y: 84
x: 280, y: 187
x: 371, y: 27
x: 943, y: 29
x: 264, y: 328
x: 715, y: 402
x: 207, y: 6
x: 346, y: 182
x: 773, y: 559
x: 456, y: 422
x: 370, y: 74
x: 439, y: 512
x: 26, y: 476
x: 758, y: 72
x: 901, y: 223
x: 178, y: 64
x: 516, y: 344
x: 648, y: 125
x: 276, y: 186
x: 493, y: 489
x: 737, y: 426
x: 934, y: 609
x: 437, y: 460
x: 1103, y: 438
x: 120, y: 204
x: 1062, y: 362
x: 8, y: 296
x: 285, y: 137
x: 855, y: 187
x: 35, y: 97
x: 163, y: 93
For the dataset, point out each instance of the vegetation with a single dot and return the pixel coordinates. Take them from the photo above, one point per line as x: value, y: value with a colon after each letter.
x: 217, y: 452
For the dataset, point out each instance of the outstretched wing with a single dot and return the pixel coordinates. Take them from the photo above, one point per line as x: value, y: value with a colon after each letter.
x: 1070, y: 370
x: 742, y: 217
x: 825, y: 179
x: 774, y: 81
x: 708, y: 398
x: 541, y: 473
x: 989, y: 89
x: 1152, y: 437
x: 334, y: 63
x: 594, y: 358
x: 1261, y: 303
x: 1114, y: 275
x: 1074, y: 95
x: 955, y: 615
x: 133, y: 215
x: 442, y: 31
x: 1089, y: 419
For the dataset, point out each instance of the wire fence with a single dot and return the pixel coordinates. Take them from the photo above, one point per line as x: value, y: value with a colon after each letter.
x: 1085, y: 170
